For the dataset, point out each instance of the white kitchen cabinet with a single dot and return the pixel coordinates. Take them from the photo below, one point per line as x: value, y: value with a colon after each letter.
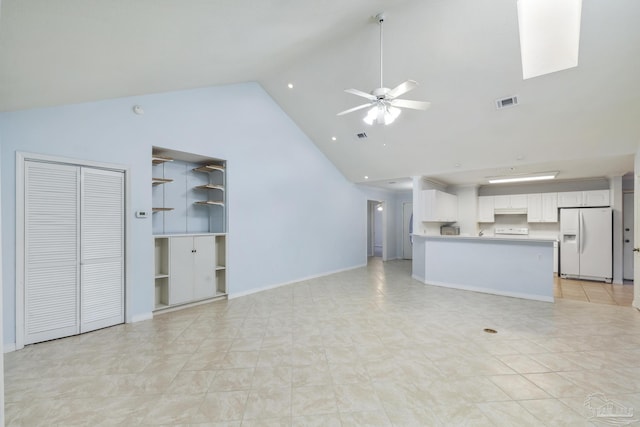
x: 596, y: 198
x: 189, y: 268
x: 512, y: 201
x: 570, y: 199
x: 582, y: 199
x: 486, y: 209
x: 542, y: 207
x: 549, y: 207
x: 439, y: 206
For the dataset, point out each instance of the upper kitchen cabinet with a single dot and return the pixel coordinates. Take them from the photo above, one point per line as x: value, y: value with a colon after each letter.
x: 439, y: 206
x: 486, y: 209
x: 542, y: 207
x: 580, y: 199
x: 510, y: 203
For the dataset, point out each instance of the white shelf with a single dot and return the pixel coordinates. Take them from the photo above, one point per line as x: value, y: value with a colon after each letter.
x: 158, y: 181
x: 157, y: 160
x: 154, y: 210
x: 210, y: 187
x: 210, y: 168
x: 210, y: 203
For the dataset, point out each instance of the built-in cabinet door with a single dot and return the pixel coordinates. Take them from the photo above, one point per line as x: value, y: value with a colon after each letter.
x: 181, y: 265
x: 204, y: 285
x: 51, y: 251
x: 502, y: 202
x: 570, y: 199
x: 486, y: 209
x: 596, y: 198
x: 549, y: 207
x: 534, y: 207
x: 518, y: 201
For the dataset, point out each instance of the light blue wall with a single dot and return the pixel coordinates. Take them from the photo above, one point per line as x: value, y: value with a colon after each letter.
x: 292, y: 215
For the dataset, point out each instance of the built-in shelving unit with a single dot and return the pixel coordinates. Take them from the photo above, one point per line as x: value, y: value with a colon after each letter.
x: 189, y: 228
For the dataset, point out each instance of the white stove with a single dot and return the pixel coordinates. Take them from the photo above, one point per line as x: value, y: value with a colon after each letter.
x: 511, y: 232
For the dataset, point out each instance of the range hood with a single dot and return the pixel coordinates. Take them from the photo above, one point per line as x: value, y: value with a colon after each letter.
x: 510, y: 211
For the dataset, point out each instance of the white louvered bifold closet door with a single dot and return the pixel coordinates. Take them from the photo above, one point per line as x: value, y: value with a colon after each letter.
x: 102, y: 249
x: 52, y: 225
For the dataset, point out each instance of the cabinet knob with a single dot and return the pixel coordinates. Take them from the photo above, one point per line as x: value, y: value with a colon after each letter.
x: 627, y: 240
x: 636, y: 249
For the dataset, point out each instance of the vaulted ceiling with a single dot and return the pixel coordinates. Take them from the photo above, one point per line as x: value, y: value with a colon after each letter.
x: 465, y: 54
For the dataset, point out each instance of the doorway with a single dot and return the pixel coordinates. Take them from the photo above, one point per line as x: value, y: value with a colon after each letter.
x: 627, y: 231
x: 376, y: 227
x: 407, y: 230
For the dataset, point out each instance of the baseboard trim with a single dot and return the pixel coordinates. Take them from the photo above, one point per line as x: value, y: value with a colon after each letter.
x: 302, y: 279
x: 141, y: 317
x: 491, y: 291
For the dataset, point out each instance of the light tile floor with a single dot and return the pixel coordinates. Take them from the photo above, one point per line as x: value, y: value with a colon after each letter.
x: 594, y: 292
x: 369, y: 347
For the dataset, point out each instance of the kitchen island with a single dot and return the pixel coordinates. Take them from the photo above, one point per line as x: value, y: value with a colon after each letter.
x: 514, y: 267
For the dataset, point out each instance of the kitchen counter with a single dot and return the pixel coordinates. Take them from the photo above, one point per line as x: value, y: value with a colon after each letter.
x: 490, y: 237
x: 515, y: 267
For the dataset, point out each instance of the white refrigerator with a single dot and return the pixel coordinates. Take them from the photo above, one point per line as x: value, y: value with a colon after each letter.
x: 586, y: 249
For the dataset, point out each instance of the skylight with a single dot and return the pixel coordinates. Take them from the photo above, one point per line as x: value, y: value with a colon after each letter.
x: 549, y: 35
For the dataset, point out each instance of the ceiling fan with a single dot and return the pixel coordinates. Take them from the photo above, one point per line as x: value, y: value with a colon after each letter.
x: 384, y: 105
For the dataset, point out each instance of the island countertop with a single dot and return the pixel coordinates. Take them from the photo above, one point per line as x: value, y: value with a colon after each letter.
x: 515, y: 267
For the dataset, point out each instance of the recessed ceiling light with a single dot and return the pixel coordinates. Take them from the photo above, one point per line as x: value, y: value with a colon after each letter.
x: 290, y: 85
x: 457, y: 165
x: 366, y: 177
x: 333, y: 138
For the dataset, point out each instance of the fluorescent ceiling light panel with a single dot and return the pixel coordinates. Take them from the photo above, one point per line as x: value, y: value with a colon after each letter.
x: 522, y: 178
x: 549, y: 35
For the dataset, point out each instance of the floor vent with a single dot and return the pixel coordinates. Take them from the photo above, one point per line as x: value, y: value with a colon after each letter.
x: 506, y: 102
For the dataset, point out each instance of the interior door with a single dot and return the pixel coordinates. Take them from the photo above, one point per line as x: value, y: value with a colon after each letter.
x: 628, y: 231
x: 102, y: 249
x: 52, y: 241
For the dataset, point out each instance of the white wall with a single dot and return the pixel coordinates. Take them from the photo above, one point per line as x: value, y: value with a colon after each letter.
x: 292, y: 215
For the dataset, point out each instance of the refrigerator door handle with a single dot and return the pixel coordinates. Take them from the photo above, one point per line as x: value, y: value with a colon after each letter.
x: 580, y: 232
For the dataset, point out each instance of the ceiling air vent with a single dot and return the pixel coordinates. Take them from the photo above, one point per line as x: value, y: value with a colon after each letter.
x: 506, y: 102
x: 361, y: 135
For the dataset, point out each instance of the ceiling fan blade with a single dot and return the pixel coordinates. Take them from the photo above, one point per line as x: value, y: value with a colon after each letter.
x: 402, y: 88
x: 407, y: 103
x: 361, y: 93
x: 351, y: 110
